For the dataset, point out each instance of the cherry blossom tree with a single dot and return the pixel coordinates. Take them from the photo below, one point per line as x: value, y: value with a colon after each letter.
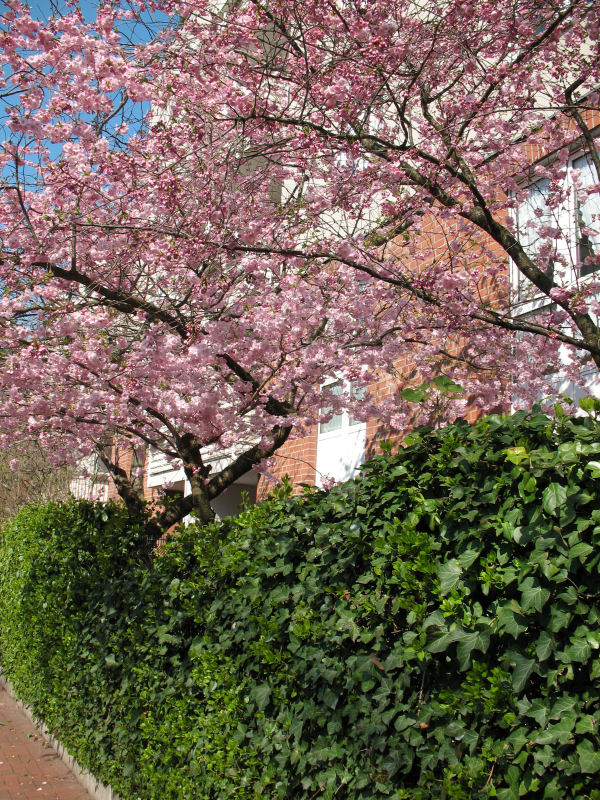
x: 123, y: 319
x: 203, y: 223
x: 424, y: 127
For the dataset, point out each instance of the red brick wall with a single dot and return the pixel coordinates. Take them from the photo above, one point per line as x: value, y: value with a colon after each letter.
x: 297, y: 459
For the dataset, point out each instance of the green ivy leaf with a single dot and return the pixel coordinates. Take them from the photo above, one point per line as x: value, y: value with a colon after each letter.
x: 522, y: 670
x: 533, y: 595
x: 544, y: 645
x: 594, y: 467
x: 510, y: 620
x: 590, y: 404
x: 478, y: 640
x: 568, y: 453
x: 467, y: 558
x: 402, y: 723
x: 554, y: 496
x: 196, y: 647
x: 435, y: 619
x: 261, y: 694
x: 516, y: 454
x: 581, y: 550
x: 539, y: 711
x: 443, y: 642
x: 589, y: 757
x: 586, y: 724
x: 579, y: 650
x: 449, y: 575
x: 563, y: 705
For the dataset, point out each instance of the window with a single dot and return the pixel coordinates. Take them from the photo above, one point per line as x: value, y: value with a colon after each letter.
x: 562, y: 238
x: 588, y: 217
x: 341, y: 440
x: 569, y: 247
x: 343, y: 419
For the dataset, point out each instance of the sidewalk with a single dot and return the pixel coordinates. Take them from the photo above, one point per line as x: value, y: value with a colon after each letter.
x: 29, y: 768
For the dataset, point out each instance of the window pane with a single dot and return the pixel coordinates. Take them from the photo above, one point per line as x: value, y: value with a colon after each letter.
x: 335, y: 423
x: 532, y: 214
x: 358, y: 393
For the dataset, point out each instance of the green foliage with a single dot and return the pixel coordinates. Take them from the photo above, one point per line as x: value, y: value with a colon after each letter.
x: 440, y: 384
x: 428, y: 630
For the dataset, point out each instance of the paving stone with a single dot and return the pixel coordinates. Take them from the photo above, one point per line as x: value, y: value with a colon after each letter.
x: 29, y: 768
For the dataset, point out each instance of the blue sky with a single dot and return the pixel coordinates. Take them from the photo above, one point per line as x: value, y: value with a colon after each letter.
x: 137, y: 31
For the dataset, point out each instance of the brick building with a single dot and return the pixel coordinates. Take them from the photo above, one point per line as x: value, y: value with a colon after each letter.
x: 336, y: 448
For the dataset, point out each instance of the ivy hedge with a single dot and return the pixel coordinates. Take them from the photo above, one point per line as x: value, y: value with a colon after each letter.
x: 428, y: 630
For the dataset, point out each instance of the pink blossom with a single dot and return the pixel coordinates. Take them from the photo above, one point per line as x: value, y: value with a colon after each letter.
x: 207, y: 232
x: 559, y: 294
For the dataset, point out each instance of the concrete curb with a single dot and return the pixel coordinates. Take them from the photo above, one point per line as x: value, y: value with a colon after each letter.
x: 96, y: 790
